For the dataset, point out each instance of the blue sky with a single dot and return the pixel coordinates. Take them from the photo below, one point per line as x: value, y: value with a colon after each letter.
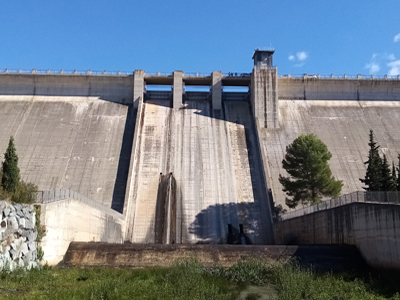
x: 310, y: 36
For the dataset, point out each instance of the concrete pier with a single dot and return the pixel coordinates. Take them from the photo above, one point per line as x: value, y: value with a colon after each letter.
x: 138, y: 87
x: 216, y: 89
x: 178, y: 89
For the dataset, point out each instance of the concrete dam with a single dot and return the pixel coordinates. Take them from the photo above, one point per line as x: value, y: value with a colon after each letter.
x: 198, y: 167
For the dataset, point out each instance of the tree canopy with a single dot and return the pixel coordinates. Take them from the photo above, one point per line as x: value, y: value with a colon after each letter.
x: 10, y: 178
x: 373, y: 176
x: 306, y: 161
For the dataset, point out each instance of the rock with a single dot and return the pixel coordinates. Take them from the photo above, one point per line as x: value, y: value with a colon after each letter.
x: 13, y: 254
x: 27, y: 210
x: 32, y: 264
x: 27, y: 258
x: 32, y: 245
x: 24, y: 248
x: 3, y: 205
x: 20, y: 262
x: 29, y: 223
x: 13, y: 223
x: 3, y: 225
x: 6, y: 212
x: 19, y: 212
x: 21, y: 222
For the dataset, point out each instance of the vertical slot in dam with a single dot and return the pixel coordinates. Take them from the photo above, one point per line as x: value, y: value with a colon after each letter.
x: 165, y: 224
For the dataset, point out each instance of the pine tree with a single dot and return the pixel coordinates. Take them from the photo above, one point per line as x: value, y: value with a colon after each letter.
x: 10, y: 178
x: 386, y: 176
x: 310, y: 179
x: 373, y: 180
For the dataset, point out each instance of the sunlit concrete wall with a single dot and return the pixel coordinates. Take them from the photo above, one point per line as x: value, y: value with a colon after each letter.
x: 343, y: 126
x: 373, y: 228
x: 72, y: 220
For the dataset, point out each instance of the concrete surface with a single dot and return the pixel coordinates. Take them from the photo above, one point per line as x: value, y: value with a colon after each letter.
x: 343, y: 126
x: 339, y: 89
x: 83, y: 143
x: 373, y: 228
x: 138, y: 87
x: 111, y: 88
x: 72, y: 220
x: 215, y: 162
x: 178, y: 89
x: 216, y: 90
x: 264, y: 97
x: 321, y: 258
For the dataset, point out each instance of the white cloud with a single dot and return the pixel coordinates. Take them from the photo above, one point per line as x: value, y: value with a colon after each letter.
x: 301, y: 56
x: 299, y: 59
x: 397, y: 38
x: 373, y: 66
x: 394, y: 67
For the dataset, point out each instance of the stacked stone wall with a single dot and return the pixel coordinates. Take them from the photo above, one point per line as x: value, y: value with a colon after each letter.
x: 18, y: 246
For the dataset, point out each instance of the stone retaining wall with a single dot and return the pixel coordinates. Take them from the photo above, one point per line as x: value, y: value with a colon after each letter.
x: 18, y: 247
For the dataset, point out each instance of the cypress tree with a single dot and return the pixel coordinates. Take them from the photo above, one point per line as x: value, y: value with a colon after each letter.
x: 10, y: 178
x: 394, y: 177
x: 373, y: 176
x: 310, y: 179
x: 398, y: 174
x: 386, y: 176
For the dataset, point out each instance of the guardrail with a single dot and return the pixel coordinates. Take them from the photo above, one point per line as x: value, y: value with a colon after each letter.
x: 194, y: 74
x: 66, y: 72
x: 344, y: 76
x: 356, y: 197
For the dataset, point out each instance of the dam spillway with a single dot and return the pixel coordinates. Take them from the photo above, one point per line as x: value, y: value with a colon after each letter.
x: 214, y: 162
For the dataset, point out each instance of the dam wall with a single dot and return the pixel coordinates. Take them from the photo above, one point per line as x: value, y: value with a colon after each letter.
x: 70, y: 131
x: 357, y: 89
x: 69, y: 216
x: 372, y: 227
x: 343, y: 125
x: 214, y: 159
x: 118, y: 89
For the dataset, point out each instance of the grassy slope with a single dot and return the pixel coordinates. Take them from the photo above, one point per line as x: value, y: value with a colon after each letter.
x: 191, y: 280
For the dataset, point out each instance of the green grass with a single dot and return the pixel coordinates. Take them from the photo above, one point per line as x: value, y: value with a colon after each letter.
x: 192, y: 280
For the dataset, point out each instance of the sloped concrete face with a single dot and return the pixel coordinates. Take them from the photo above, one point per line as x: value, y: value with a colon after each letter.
x: 343, y: 126
x: 216, y: 167
x: 74, y: 142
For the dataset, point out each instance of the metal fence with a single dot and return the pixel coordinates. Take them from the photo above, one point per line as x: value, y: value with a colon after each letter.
x: 65, y: 72
x: 342, y: 76
x: 356, y: 197
x: 56, y: 195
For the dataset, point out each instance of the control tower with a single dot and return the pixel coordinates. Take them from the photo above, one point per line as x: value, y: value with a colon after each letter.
x: 264, y: 89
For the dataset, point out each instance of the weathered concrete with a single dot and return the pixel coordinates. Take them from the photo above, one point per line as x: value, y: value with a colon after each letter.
x: 311, y: 88
x: 324, y: 258
x: 82, y: 143
x: 264, y: 97
x: 72, y: 220
x: 216, y: 90
x: 343, y: 126
x: 373, y: 228
x: 214, y: 160
x: 138, y: 87
x: 111, y: 88
x: 178, y: 89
